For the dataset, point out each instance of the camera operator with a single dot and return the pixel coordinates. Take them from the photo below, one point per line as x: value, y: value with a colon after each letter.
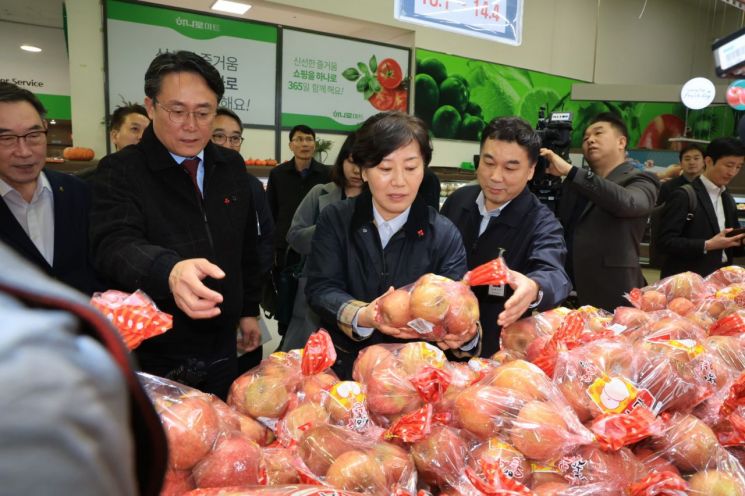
x: 500, y: 212
x: 604, y: 212
x: 556, y: 134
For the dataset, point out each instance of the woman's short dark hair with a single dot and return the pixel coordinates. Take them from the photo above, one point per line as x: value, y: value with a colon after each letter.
x: 386, y: 132
x: 337, y: 172
x: 10, y: 93
x: 181, y: 61
x: 514, y: 130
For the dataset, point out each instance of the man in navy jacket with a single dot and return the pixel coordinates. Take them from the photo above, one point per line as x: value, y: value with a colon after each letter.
x: 44, y: 214
x: 500, y: 214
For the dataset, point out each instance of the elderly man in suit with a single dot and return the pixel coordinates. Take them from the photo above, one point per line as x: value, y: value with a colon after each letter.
x: 44, y: 214
x: 704, y: 242
x: 604, y: 211
x: 173, y: 215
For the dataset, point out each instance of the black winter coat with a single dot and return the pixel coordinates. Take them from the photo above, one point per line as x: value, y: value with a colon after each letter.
x: 285, y: 190
x: 348, y: 265
x: 146, y: 217
x: 683, y: 241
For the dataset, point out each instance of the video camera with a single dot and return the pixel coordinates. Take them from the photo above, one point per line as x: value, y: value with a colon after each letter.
x: 556, y: 135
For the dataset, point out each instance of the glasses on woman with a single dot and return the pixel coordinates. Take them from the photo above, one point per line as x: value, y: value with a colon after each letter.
x: 220, y: 139
x: 34, y: 138
x: 179, y: 116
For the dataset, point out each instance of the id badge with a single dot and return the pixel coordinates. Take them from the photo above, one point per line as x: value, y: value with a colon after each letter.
x: 496, y: 290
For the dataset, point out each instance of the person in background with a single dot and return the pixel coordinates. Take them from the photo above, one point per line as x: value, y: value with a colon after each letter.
x: 385, y: 238
x: 173, y: 215
x: 692, y: 164
x: 703, y: 243
x: 430, y: 189
x: 346, y: 183
x: 227, y: 131
x: 604, y: 211
x: 288, y: 184
x: 500, y: 213
x: 43, y: 213
x: 128, y: 122
x: 75, y: 418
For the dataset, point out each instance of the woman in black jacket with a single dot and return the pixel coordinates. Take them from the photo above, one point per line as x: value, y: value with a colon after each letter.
x: 384, y: 238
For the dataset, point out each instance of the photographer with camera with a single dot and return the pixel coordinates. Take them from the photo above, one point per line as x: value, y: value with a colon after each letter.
x: 500, y: 213
x: 604, y: 212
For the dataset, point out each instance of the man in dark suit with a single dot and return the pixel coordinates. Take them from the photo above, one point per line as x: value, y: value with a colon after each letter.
x: 173, y: 215
x: 500, y: 213
x: 691, y: 165
x: 604, y: 212
x: 44, y: 214
x: 702, y: 243
x: 288, y: 184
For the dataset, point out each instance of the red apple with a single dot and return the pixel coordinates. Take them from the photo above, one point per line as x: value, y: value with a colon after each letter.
x: 256, y: 431
x: 464, y: 310
x: 714, y: 483
x: 429, y: 298
x: 389, y: 392
x: 320, y: 446
x: 367, y: 360
x: 481, y: 409
x: 396, y: 462
x: 630, y: 317
x: 523, y: 377
x: 440, y: 458
x: 689, y: 443
x: 300, y: 419
x: 235, y: 461
x: 191, y: 426
x: 266, y: 396
x: 315, y: 387
x: 394, y: 308
x: 279, y: 467
x: 653, y: 300
x: 359, y: 471
x: 680, y: 305
x: 540, y: 432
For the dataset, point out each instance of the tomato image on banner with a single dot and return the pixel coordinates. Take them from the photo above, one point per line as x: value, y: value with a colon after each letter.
x: 382, y: 84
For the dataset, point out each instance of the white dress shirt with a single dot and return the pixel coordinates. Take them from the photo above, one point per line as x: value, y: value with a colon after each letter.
x: 200, y: 168
x: 715, y: 194
x: 37, y: 217
x: 487, y: 215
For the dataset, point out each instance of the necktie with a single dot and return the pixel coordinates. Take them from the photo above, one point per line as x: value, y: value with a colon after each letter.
x: 191, y: 165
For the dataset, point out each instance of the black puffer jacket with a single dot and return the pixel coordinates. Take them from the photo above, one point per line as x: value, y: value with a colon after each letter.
x: 348, y: 265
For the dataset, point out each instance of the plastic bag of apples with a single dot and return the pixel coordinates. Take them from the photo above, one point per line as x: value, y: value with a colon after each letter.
x: 434, y: 305
x: 209, y: 444
x: 134, y: 315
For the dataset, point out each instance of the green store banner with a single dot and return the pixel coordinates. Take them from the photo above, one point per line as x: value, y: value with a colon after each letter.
x: 457, y: 96
x: 243, y: 52
x: 334, y: 84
